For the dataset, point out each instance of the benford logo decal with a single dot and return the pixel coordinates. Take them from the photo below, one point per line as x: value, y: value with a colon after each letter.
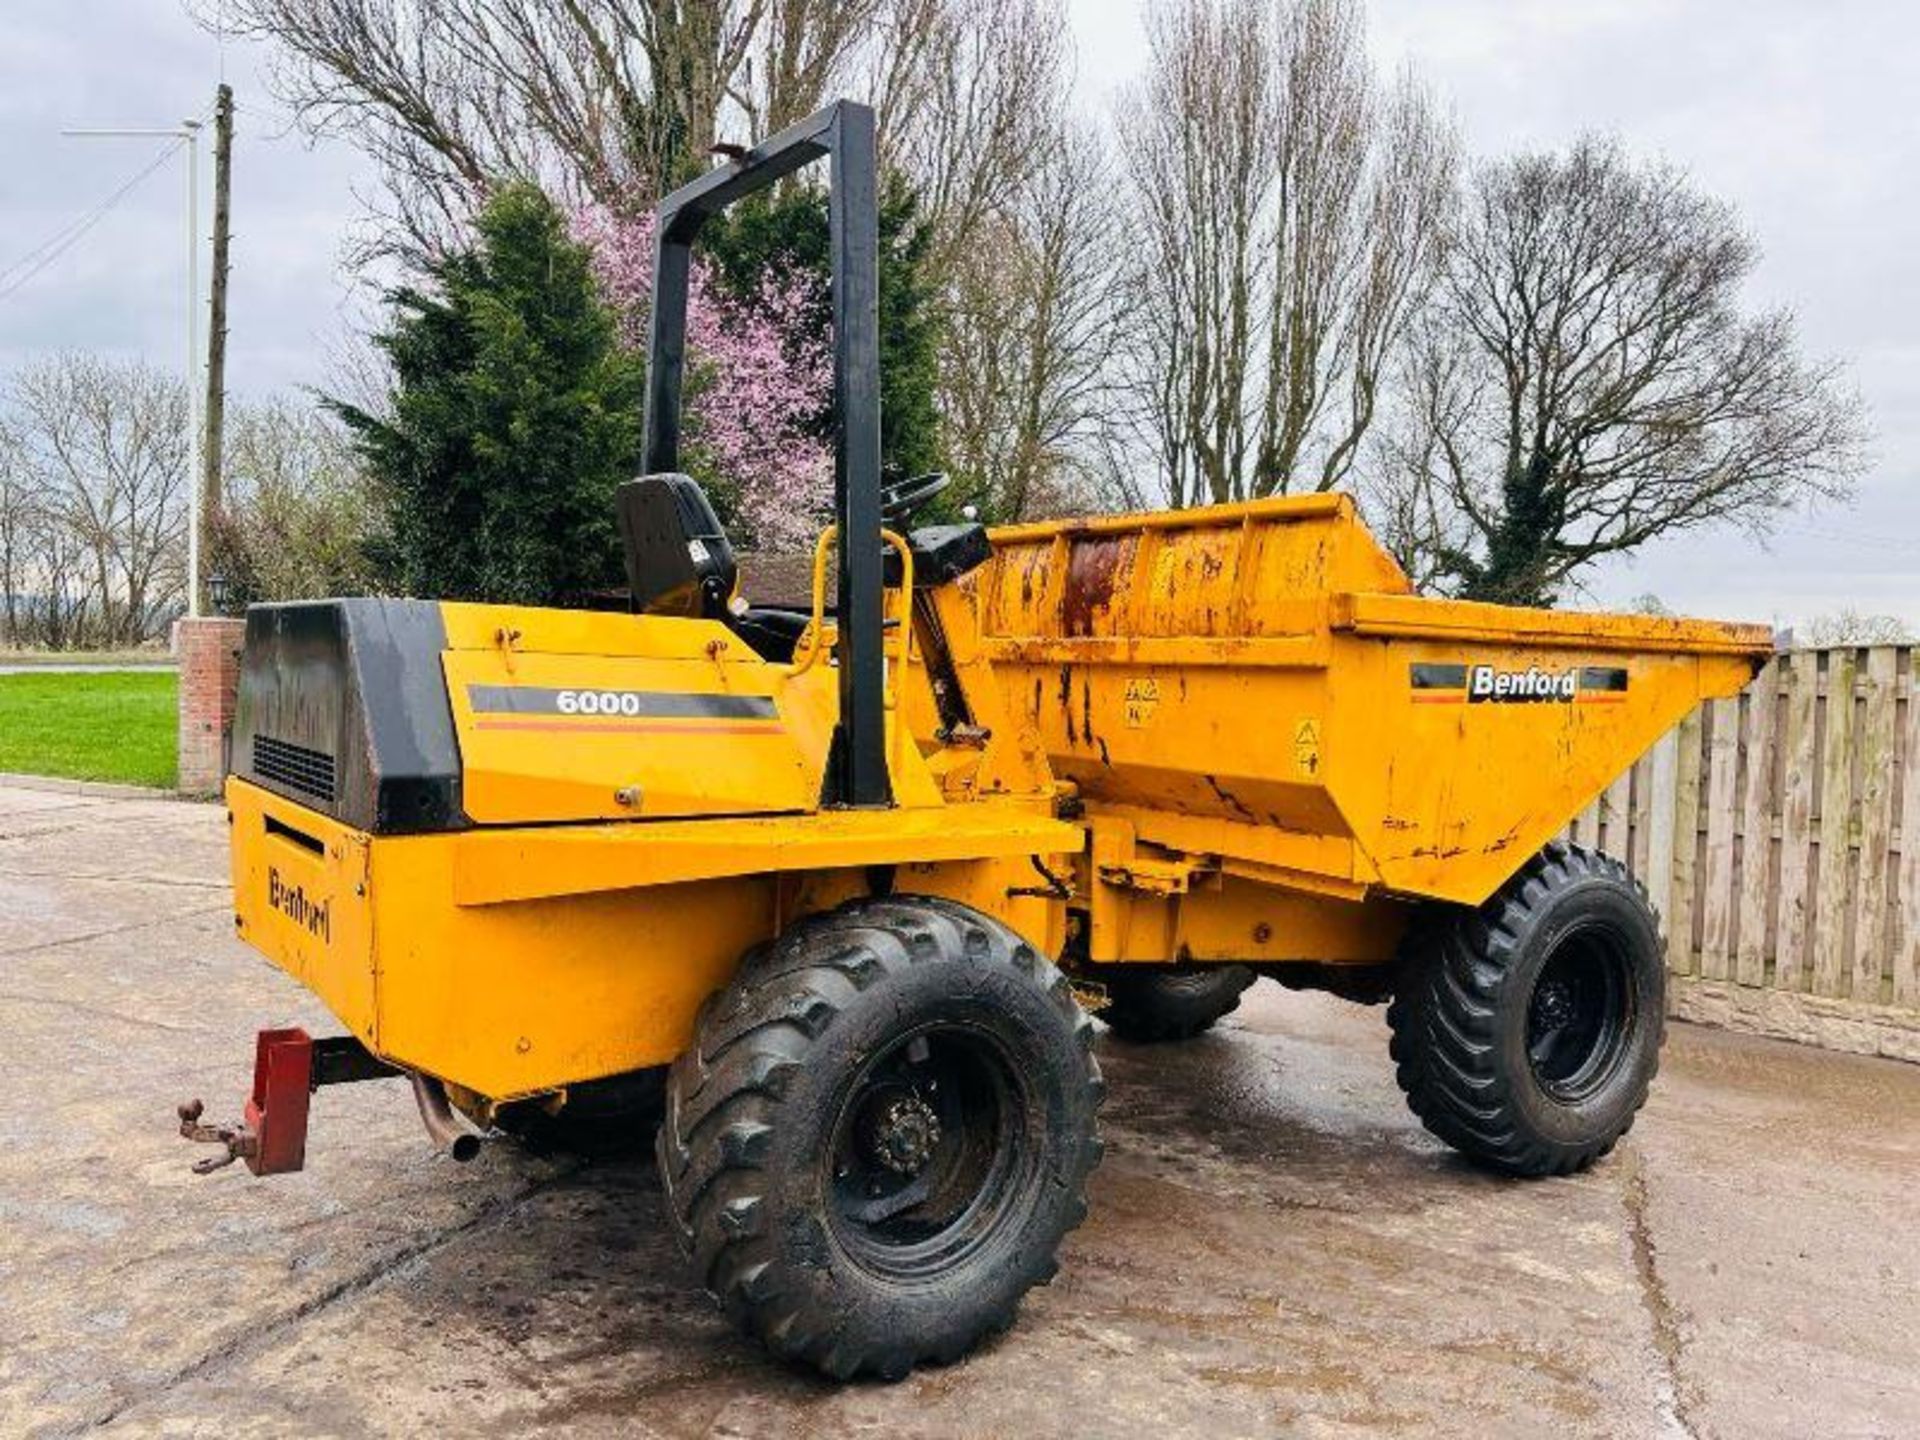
x: 292, y: 901
x: 1473, y: 684
x: 1487, y: 683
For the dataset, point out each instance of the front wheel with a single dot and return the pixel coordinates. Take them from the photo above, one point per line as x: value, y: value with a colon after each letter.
x: 1526, y: 1033
x: 881, y: 1134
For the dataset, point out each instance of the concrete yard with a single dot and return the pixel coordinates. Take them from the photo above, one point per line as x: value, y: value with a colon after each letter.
x: 1275, y: 1246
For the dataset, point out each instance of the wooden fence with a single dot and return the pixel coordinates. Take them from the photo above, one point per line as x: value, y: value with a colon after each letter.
x: 1779, y: 836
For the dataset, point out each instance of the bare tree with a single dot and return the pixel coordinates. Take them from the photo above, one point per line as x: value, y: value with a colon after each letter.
x: 971, y: 99
x: 1588, y: 380
x: 804, y: 50
x: 1200, y: 133
x: 1287, y: 218
x: 104, y: 447
x: 57, y: 608
x: 299, y: 511
x: 1849, y: 626
x: 613, y: 100
x: 1408, y: 195
x: 93, y: 495
x: 1030, y: 336
x: 448, y: 97
x: 18, y: 515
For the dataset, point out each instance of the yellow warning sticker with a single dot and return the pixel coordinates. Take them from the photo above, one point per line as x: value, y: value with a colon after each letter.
x: 1142, y: 698
x: 1306, y: 745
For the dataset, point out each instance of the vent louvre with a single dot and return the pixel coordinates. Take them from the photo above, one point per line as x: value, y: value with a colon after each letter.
x: 294, y: 766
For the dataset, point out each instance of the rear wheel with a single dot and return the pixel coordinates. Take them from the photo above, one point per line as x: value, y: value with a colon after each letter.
x: 1169, y: 1002
x: 881, y: 1134
x: 1526, y: 1033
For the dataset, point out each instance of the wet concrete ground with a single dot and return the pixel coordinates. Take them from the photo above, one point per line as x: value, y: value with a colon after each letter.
x: 1275, y: 1247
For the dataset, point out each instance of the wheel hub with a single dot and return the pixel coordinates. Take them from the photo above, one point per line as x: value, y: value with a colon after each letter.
x: 1552, y: 1005
x: 902, y: 1134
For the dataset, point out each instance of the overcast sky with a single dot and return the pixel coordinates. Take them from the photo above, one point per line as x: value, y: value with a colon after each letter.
x: 1800, y: 114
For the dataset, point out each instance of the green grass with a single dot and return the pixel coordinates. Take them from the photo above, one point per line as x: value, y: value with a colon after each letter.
x: 90, y: 727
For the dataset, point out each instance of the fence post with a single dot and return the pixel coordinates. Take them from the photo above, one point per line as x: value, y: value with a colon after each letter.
x: 1660, y: 831
x: 1686, y: 841
x: 1906, y: 958
x: 1872, y: 937
x: 1716, y: 887
x: 1796, y: 820
x: 1754, y: 925
x: 1835, y: 896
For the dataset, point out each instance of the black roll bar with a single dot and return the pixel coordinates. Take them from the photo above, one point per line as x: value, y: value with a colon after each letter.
x: 843, y: 134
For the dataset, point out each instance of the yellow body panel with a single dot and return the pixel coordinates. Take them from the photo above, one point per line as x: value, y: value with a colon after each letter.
x: 509, y: 995
x: 515, y: 999
x: 300, y: 898
x: 1448, y: 796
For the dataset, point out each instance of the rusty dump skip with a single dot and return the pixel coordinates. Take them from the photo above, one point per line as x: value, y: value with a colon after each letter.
x: 1259, y: 681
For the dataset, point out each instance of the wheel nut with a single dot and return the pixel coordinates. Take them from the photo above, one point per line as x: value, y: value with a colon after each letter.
x: 903, y: 1135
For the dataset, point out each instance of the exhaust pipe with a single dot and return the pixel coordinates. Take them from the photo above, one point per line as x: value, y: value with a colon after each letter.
x: 437, y: 1115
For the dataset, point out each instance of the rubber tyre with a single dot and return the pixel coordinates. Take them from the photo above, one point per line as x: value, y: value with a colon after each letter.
x: 1148, y: 1006
x: 1460, y: 1016
x: 753, y: 1109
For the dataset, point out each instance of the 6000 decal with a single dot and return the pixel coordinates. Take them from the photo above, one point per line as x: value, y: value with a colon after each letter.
x: 619, y: 704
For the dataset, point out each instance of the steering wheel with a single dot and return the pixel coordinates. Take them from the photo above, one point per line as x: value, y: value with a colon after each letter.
x: 900, y: 499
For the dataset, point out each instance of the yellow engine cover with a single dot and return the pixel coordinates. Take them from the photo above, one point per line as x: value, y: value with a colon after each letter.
x: 565, y: 716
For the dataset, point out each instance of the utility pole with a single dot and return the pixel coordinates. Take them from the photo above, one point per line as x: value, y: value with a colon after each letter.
x: 211, y: 492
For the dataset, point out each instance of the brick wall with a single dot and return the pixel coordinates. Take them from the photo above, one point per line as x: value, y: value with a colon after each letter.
x: 209, y: 654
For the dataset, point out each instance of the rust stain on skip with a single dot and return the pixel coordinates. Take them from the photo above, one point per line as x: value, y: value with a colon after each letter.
x: 1093, y: 566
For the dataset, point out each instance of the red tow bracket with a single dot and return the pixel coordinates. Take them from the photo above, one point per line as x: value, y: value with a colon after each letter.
x: 288, y: 1066
x: 272, y: 1139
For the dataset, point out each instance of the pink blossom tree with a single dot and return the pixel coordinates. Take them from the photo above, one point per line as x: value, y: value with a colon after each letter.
x: 755, y: 378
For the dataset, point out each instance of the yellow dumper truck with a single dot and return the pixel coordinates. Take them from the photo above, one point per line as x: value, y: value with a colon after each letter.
x: 839, y: 886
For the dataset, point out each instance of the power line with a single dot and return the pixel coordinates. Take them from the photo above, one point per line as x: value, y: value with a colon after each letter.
x: 59, y: 237
x: 54, y: 246
x: 67, y: 234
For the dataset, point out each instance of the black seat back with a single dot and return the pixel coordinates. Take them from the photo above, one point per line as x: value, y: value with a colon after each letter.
x: 679, y: 560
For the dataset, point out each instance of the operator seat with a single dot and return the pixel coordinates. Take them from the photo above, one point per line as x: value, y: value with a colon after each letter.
x: 681, y: 563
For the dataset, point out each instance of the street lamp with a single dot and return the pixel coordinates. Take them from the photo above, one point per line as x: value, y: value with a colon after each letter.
x: 189, y: 131
x: 217, y: 592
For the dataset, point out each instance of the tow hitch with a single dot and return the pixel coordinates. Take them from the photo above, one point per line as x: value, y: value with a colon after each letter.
x: 288, y: 1066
